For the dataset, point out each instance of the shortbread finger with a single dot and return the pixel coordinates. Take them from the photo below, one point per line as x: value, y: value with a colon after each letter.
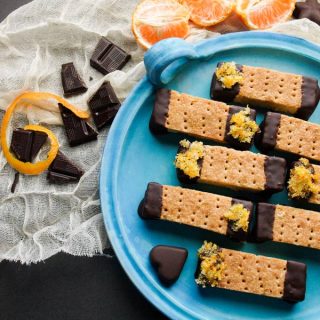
x: 202, y: 118
x: 229, y: 168
x: 286, y: 224
x: 224, y: 215
x: 304, y: 181
x: 246, y: 272
x: 279, y: 91
x: 288, y: 134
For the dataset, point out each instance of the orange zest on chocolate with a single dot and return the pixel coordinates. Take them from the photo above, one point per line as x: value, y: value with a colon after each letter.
x: 242, y: 127
x: 228, y: 74
x: 239, y: 216
x: 303, y: 182
x: 26, y: 99
x: 187, y: 161
x: 211, y: 265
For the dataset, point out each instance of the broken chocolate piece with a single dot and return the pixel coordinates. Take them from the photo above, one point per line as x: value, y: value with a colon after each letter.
x: 104, y: 105
x: 62, y: 170
x: 108, y: 57
x: 26, y: 144
x: 309, y: 9
x: 15, y: 182
x: 168, y: 262
x: 71, y: 80
x: 78, y: 130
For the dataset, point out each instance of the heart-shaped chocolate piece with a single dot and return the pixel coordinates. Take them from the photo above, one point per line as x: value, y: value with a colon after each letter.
x: 168, y: 262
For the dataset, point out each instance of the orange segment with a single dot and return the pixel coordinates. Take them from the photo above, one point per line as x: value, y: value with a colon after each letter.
x: 155, y: 20
x: 263, y: 14
x: 209, y: 12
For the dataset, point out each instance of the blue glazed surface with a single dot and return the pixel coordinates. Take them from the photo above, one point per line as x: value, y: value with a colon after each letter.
x: 133, y: 157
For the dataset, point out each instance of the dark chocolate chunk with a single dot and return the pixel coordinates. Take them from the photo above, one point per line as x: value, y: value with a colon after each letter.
x: 219, y: 93
x: 160, y: 112
x: 275, y: 171
x: 240, y: 235
x: 62, y: 170
x: 108, y: 57
x: 168, y: 262
x: 263, y: 230
x: 266, y: 139
x: 26, y: 144
x: 71, y: 80
x: 15, y: 182
x: 182, y: 177
x: 78, y: 130
x: 310, y: 98
x: 295, y: 282
x: 309, y: 9
x: 151, y: 205
x: 104, y: 105
x: 229, y: 138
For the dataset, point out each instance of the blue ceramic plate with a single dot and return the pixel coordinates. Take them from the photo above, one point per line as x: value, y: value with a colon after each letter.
x: 133, y: 157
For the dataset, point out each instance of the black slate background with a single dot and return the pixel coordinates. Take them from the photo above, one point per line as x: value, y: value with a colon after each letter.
x: 66, y: 287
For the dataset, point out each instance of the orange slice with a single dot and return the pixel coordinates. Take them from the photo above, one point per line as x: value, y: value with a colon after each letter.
x: 263, y: 14
x: 155, y: 20
x: 207, y: 13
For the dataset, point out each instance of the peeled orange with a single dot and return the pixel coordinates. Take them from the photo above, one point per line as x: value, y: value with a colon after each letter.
x: 155, y: 20
x: 207, y: 13
x: 263, y: 14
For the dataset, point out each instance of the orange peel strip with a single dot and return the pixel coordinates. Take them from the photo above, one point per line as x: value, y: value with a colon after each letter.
x: 39, y: 167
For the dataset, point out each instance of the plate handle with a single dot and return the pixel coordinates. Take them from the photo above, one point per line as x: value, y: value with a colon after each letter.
x: 165, y: 58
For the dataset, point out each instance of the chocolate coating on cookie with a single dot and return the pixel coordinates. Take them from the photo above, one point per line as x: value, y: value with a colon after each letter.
x: 159, y: 115
x: 229, y: 138
x: 266, y: 139
x: 240, y: 235
x: 275, y: 171
x: 264, y: 222
x: 310, y: 97
x: 151, y: 205
x: 295, y: 282
x: 219, y: 93
x: 168, y: 262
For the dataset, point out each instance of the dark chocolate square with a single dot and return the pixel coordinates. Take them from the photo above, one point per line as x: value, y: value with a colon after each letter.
x: 108, y: 57
x: 71, y: 80
x: 104, y: 105
x: 78, y: 131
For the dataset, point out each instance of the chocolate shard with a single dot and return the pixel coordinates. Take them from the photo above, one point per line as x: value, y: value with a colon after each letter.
x: 309, y: 9
x: 295, y: 282
x: 310, y: 98
x: 26, y: 144
x: 275, y: 171
x: 151, y: 205
x: 62, y: 170
x: 263, y: 230
x: 108, y: 57
x: 219, y: 93
x: 160, y: 112
x: 104, y: 105
x: 168, y: 262
x: 78, y: 130
x: 266, y: 139
x: 15, y: 182
x: 231, y: 140
x: 71, y: 80
x: 240, y: 235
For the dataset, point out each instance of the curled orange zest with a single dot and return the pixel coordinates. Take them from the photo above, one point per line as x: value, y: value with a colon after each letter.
x: 39, y: 167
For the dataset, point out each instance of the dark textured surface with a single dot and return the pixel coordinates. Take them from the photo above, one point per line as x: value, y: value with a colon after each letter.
x: 275, y: 171
x: 264, y: 222
x: 150, y: 207
x: 66, y: 287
